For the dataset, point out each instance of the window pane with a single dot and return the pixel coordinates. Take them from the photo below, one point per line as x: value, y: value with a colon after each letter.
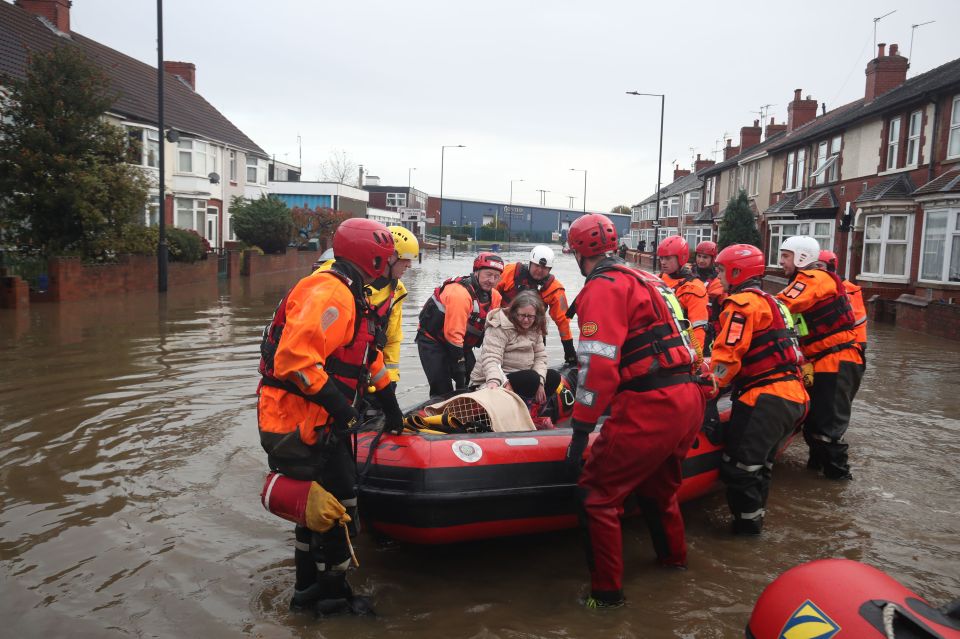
x: 934, y: 241
x: 953, y: 274
x: 186, y: 162
x: 871, y: 229
x: 871, y: 258
x: 898, y: 228
x: 953, y: 147
x: 822, y: 229
x: 894, y: 130
x: 955, y: 115
x: 894, y: 260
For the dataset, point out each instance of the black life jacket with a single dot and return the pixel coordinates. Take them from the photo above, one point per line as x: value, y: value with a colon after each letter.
x: 523, y: 281
x: 433, y: 313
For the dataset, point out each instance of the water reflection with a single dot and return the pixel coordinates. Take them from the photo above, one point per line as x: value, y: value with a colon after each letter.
x: 131, y: 472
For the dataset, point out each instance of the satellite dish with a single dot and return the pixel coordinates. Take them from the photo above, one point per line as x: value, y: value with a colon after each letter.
x: 214, y: 178
x: 173, y: 136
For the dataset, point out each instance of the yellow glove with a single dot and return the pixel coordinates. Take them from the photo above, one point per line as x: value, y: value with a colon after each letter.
x: 807, y: 369
x: 323, y: 510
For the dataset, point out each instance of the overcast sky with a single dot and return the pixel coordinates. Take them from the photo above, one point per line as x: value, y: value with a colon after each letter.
x: 531, y: 88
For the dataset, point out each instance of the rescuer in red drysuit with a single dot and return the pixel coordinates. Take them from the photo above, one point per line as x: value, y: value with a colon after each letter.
x: 635, y: 358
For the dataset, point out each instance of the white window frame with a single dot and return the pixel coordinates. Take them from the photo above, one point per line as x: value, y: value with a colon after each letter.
x: 803, y: 227
x: 691, y: 202
x: 753, y: 178
x: 233, y: 165
x: 709, y: 189
x: 151, y: 212
x: 883, y: 242
x: 198, y: 211
x: 674, y: 207
x: 664, y: 232
x: 696, y: 234
x: 149, y: 146
x: 397, y: 200
x: 893, y: 143
x: 260, y: 166
x: 789, y: 183
x: 953, y: 138
x: 914, y: 125
x: 951, y: 233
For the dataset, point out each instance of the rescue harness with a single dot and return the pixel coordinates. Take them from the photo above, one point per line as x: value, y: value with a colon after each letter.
x: 833, y: 315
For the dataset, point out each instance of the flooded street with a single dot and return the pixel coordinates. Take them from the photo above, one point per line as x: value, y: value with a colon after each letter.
x: 131, y: 472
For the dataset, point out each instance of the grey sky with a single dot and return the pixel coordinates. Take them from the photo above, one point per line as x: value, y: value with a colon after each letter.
x: 531, y: 88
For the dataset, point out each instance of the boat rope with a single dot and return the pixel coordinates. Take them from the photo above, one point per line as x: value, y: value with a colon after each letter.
x: 888, y: 614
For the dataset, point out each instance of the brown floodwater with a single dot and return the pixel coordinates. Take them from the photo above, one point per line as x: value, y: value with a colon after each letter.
x: 131, y: 472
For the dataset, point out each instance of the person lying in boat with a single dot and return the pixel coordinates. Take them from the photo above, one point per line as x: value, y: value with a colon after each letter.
x: 513, y: 355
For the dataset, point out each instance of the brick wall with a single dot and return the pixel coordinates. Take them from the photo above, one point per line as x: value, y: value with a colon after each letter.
x: 256, y: 264
x: 14, y: 292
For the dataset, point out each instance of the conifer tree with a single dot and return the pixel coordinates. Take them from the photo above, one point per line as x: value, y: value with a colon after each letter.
x: 66, y: 185
x: 738, y: 225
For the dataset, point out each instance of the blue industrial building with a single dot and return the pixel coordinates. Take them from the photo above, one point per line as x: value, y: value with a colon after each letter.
x: 525, y: 222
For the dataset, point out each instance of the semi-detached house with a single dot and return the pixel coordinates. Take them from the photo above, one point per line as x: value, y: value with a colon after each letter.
x: 208, y: 159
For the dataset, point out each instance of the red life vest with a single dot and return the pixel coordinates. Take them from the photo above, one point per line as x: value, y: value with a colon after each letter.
x: 433, y: 313
x: 831, y: 316
x: 774, y: 354
x: 348, y: 366
x: 523, y: 281
x: 658, y: 354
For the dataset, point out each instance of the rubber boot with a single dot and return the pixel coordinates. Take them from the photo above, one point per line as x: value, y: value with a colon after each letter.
x: 306, y: 591
x: 337, y: 597
x: 749, y: 527
x: 605, y: 600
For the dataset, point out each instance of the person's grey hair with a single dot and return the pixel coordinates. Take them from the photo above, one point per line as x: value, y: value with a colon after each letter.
x: 529, y: 298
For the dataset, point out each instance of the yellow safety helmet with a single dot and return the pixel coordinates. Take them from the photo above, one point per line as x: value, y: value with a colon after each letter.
x: 405, y: 243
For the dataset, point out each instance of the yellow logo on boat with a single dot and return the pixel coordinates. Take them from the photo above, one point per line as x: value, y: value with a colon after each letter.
x: 809, y: 622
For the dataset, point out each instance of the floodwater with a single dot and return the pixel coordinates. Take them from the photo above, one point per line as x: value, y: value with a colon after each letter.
x: 131, y: 473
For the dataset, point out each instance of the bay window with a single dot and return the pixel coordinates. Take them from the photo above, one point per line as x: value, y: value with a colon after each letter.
x: 190, y: 214
x: 696, y: 234
x: 940, y: 252
x: 886, y: 246
x: 196, y: 157
x: 144, y: 147
x: 821, y: 231
x: 152, y: 213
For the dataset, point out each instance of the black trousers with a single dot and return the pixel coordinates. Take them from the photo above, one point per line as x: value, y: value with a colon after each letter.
x: 831, y: 400
x: 751, y: 440
x: 436, y: 363
x: 323, y: 557
x: 525, y: 383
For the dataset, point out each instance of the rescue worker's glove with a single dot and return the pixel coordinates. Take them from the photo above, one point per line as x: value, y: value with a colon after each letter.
x: 458, y: 366
x: 569, y: 352
x: 323, y: 510
x: 344, y: 415
x: 578, y: 444
x: 712, y: 426
x: 393, y: 416
x: 806, y: 370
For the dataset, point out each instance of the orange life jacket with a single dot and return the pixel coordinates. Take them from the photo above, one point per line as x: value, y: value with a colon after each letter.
x: 831, y: 316
x: 523, y: 281
x: 774, y: 354
x: 433, y: 312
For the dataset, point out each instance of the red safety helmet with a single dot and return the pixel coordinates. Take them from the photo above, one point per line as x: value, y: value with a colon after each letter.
x: 830, y: 259
x: 747, y: 258
x: 707, y: 248
x: 486, y: 259
x: 674, y: 245
x: 365, y: 244
x: 592, y: 234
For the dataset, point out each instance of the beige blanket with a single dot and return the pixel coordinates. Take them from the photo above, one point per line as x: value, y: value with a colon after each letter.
x: 502, y: 410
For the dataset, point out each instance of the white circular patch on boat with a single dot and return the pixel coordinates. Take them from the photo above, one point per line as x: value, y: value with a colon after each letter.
x: 467, y: 451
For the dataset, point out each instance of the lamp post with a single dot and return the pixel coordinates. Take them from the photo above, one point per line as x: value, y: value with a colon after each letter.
x: 584, y: 188
x: 656, y: 219
x: 162, y: 221
x: 440, y: 212
x: 410, y: 178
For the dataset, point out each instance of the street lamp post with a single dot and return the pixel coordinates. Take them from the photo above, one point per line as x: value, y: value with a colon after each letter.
x: 440, y: 212
x: 410, y: 177
x: 656, y: 219
x: 162, y: 222
x: 584, y: 188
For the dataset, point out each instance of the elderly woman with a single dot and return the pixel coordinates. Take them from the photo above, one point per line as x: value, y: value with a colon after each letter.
x: 513, y: 355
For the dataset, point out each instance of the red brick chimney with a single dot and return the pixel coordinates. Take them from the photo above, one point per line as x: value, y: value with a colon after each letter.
x: 750, y: 135
x: 186, y: 70
x: 56, y: 11
x: 799, y: 112
x: 702, y: 164
x: 772, y: 129
x: 885, y: 72
x: 730, y: 151
x: 679, y: 173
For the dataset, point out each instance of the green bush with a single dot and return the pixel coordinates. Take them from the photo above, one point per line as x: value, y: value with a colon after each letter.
x: 266, y: 223
x: 139, y: 240
x: 183, y: 245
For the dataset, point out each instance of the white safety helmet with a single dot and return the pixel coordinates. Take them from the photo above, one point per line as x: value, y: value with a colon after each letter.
x: 805, y: 249
x: 542, y: 255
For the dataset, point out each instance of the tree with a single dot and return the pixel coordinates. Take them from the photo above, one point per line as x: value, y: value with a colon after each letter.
x: 315, y: 223
x: 265, y: 222
x: 65, y: 184
x: 340, y: 168
x: 622, y: 209
x: 739, y: 225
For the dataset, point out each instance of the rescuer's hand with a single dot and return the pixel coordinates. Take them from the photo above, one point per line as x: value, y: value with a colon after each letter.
x: 457, y: 367
x: 569, y: 352
x: 807, y: 369
x: 343, y: 414
x: 393, y: 416
x: 578, y: 444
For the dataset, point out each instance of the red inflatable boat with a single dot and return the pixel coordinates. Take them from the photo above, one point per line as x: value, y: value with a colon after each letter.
x: 842, y: 598
x: 445, y: 488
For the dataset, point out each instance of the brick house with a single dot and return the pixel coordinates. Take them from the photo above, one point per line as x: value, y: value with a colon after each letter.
x: 208, y: 159
x: 408, y: 202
